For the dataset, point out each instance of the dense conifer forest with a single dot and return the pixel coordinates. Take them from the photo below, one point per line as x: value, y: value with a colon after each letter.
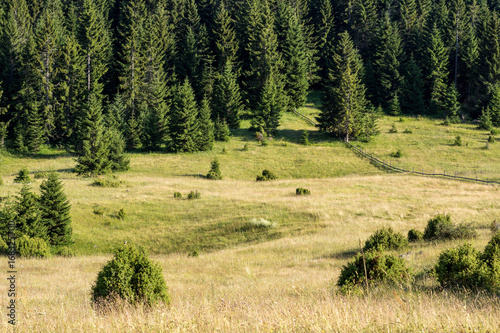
x: 102, y: 76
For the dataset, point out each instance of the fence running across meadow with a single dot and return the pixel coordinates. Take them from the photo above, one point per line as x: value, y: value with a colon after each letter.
x: 403, y: 170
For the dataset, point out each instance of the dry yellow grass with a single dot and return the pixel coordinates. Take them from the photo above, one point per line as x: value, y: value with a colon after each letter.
x: 285, y: 285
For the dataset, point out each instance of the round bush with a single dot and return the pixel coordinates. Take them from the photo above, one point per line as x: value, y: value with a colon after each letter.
x: 462, y: 267
x: 386, y: 239
x: 214, y: 172
x: 132, y: 277
x: 32, y: 247
x: 415, y: 235
x: 441, y: 227
x: 380, y: 267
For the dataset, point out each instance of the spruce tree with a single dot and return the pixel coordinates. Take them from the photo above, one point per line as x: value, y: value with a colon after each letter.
x: 116, y: 157
x: 451, y: 105
x: 325, y: 33
x: 485, y: 122
x: 184, y: 125
x: 412, y: 90
x: 221, y: 130
x: 225, y: 37
x: 28, y: 215
x: 206, y: 127
x: 93, y: 155
x: 294, y: 52
x: 271, y: 105
x: 226, y: 100
x: 494, y: 105
x: 55, y: 209
x: 344, y: 100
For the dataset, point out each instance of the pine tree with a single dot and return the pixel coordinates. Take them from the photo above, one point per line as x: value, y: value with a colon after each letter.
x: 412, y: 90
x: 451, y: 105
x: 221, y: 130
x: 225, y: 37
x: 93, y: 156
x: 28, y: 215
x: 115, y: 114
x: 394, y: 108
x: 437, y: 71
x: 485, y: 122
x: 206, y: 136
x: 95, y: 40
x: 295, y: 57
x: 344, y: 100
x: 271, y: 105
x: 55, y: 209
x: 116, y: 157
x: 184, y: 126
x: 387, y: 63
x: 494, y: 105
x: 325, y: 36
x: 226, y: 100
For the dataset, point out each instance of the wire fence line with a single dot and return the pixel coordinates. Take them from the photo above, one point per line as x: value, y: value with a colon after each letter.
x: 413, y: 171
x: 404, y: 170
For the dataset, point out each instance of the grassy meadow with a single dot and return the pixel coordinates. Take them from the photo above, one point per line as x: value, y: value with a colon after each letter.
x: 277, y: 278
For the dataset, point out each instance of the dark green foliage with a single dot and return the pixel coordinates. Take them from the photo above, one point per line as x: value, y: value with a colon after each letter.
x: 415, y: 235
x: 4, y: 248
x: 442, y: 228
x: 245, y: 147
x: 106, y: 182
x: 194, y: 195
x: 380, y: 268
x: 98, y: 211
x: 386, y: 239
x: 397, y: 154
x: 462, y: 267
x: 458, y: 141
x: 177, y: 195
x: 28, y: 215
x: 184, y: 125
x: 266, y: 175
x: 214, y: 172
x: 304, y: 139
x: 451, y: 105
x: 226, y: 100
x: 131, y: 276
x: 117, y: 159
x: 40, y: 175
x: 485, y: 122
x: 221, y: 130
x: 193, y: 253
x: 121, y: 214
x: 412, y: 90
x: 407, y: 131
x: 302, y: 191
x: 491, y: 139
x: 55, y: 209
x: 32, y: 247
x: 393, y: 129
x: 206, y: 137
x: 23, y: 176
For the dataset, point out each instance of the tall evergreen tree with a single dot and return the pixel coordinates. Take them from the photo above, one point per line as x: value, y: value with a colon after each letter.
x: 494, y: 105
x: 226, y: 101
x: 93, y: 155
x: 412, y: 90
x: 451, y: 104
x: 225, y: 37
x: 344, y: 100
x: 206, y: 127
x: 271, y: 105
x: 184, y: 125
x: 28, y: 215
x: 55, y: 208
x: 325, y: 33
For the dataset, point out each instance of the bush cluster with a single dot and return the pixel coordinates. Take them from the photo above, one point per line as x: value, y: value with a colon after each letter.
x: 32, y: 247
x: 380, y: 268
x: 266, y: 175
x: 177, y: 195
x: 131, y: 276
x: 415, y: 235
x: 194, y: 195
x: 386, y: 239
x: 214, y: 172
x: 441, y: 228
x: 302, y: 191
x: 105, y: 182
x: 397, y: 154
x: 23, y: 176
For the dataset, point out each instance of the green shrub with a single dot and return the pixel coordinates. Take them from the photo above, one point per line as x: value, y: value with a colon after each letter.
x: 380, y: 268
x: 397, y: 154
x: 302, y: 191
x: 194, y: 195
x: 193, y: 253
x: 264, y: 143
x: 441, y: 228
x: 64, y: 251
x: 458, y: 141
x: 491, y: 257
x: 408, y: 131
x: 386, y: 239
x: 461, y: 267
x: 305, y: 138
x: 4, y: 248
x: 131, y: 276
x: 32, y: 247
x: 105, y: 182
x: 23, y: 176
x: 214, y: 172
x: 221, y: 130
x: 393, y: 129
x: 266, y: 175
x: 495, y: 131
x: 491, y: 139
x: 121, y: 214
x: 40, y: 175
x: 98, y: 210
x: 177, y: 195
x: 245, y: 147
x: 415, y: 235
